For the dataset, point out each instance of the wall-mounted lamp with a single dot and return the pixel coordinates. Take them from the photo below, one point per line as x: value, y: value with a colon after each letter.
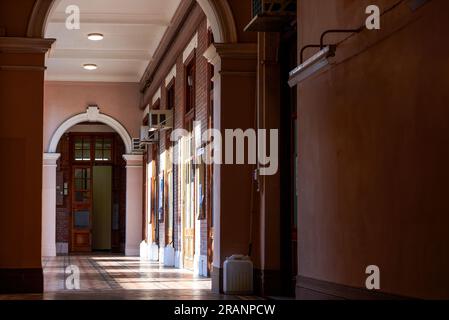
x: 312, y: 65
x: 318, y: 61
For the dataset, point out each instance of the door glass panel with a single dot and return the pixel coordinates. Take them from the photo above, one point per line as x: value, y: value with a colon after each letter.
x: 78, y: 155
x: 81, y: 197
x: 108, y: 144
x: 81, y: 219
x: 79, y: 144
x: 98, y: 155
x: 78, y: 173
x: 79, y: 184
x: 86, y: 155
x: 107, y: 155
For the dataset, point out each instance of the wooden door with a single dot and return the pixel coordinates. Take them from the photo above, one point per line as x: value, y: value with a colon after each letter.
x: 189, y: 204
x: 189, y: 219
x: 82, y: 209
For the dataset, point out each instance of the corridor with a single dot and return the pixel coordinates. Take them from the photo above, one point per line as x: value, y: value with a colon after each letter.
x: 107, y: 277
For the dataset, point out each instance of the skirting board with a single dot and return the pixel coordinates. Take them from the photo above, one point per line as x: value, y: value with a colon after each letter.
x: 153, y: 252
x: 313, y: 289
x: 169, y: 256
x: 161, y: 255
x: 178, y: 260
x: 62, y: 248
x: 132, y: 252
x: 14, y: 281
x: 200, y: 265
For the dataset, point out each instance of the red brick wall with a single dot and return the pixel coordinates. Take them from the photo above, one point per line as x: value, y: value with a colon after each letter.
x: 63, y: 212
x: 201, y: 115
x: 202, y: 98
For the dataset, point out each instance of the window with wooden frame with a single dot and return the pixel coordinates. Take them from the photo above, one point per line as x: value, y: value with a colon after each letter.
x: 156, y: 106
x: 190, y: 76
x: 103, y: 149
x: 171, y: 96
x: 81, y: 147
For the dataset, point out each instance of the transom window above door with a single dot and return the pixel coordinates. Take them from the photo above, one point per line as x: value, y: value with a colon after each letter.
x: 103, y: 149
x: 82, y: 149
x: 93, y: 148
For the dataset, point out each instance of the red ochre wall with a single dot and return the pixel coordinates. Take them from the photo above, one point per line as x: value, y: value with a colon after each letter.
x: 374, y: 174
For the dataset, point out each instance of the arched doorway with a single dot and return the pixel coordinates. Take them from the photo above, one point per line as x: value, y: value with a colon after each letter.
x: 50, y: 186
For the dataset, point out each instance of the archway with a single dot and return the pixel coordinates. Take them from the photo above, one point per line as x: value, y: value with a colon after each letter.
x: 91, y: 115
x: 133, y: 182
x: 222, y: 22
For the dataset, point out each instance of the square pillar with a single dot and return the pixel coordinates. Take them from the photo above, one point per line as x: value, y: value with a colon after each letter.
x: 134, y: 190
x: 235, y: 83
x: 49, y: 204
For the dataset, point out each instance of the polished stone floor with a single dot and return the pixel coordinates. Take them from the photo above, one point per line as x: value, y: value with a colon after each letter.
x: 104, y: 277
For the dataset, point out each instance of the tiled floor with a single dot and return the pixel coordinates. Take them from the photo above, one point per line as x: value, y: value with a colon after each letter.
x: 119, y: 277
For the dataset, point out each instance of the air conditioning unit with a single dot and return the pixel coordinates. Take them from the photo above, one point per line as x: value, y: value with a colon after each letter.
x: 272, y: 15
x: 148, y: 136
x: 138, y: 148
x: 160, y: 119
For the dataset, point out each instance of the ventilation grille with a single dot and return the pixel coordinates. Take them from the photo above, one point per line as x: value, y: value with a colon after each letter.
x: 138, y: 147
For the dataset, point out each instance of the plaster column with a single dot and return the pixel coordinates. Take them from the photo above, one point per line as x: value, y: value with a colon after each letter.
x: 235, y: 82
x: 134, y: 183
x: 49, y: 204
x: 268, y: 274
x: 22, y: 67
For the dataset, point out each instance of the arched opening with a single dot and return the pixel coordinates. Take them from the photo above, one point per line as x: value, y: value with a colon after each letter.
x: 91, y: 185
x: 91, y: 115
x: 222, y: 30
x: 85, y: 153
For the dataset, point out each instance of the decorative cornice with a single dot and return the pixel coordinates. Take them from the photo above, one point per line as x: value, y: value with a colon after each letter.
x: 25, y: 45
x: 231, y: 51
x: 133, y: 160
x: 23, y: 68
x: 51, y: 159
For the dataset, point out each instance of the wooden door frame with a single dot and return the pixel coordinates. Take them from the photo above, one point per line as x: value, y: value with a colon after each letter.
x: 91, y: 164
x: 74, y: 206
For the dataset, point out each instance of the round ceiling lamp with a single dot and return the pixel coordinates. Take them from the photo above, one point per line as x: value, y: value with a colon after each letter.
x: 90, y: 66
x: 95, y: 36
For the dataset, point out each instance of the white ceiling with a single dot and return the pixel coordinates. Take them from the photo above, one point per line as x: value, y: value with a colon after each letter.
x: 132, y: 32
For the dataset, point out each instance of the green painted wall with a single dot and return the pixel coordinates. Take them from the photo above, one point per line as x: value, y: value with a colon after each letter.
x: 102, y: 201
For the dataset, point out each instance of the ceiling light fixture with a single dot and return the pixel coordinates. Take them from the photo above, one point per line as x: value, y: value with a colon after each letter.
x: 90, y: 66
x: 95, y: 36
